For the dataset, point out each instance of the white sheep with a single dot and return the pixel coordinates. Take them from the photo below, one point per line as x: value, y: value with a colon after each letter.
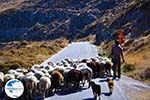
x: 8, y: 77
x: 36, y: 66
x: 30, y: 74
x: 44, y: 70
x: 1, y: 76
x: 11, y: 71
x: 30, y: 83
x: 1, y: 81
x: 48, y: 67
x: 22, y: 70
x: 16, y: 74
x: 44, y: 86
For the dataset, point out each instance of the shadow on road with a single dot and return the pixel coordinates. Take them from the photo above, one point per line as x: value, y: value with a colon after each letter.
x: 107, y: 94
x: 70, y: 91
x: 104, y: 80
x: 89, y: 99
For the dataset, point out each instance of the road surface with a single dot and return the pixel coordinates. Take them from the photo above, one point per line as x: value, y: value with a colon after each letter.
x: 75, y: 51
x: 85, y: 50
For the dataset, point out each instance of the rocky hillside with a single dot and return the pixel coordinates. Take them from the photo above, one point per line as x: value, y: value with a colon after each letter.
x: 36, y: 20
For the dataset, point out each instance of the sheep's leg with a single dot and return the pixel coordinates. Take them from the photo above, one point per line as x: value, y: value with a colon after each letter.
x: 83, y: 82
x: 99, y: 98
x: 89, y: 83
x: 50, y: 90
x: 47, y: 92
x: 109, y: 71
x: 43, y: 93
x: 78, y: 86
x: 30, y: 95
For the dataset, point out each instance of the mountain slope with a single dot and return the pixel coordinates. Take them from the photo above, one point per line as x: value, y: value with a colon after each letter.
x: 37, y: 20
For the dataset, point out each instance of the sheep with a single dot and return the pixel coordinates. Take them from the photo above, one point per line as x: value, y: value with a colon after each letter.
x: 19, y: 70
x: 110, y: 85
x: 30, y: 74
x: 1, y: 84
x: 65, y: 74
x: 8, y: 77
x: 86, y: 72
x: 20, y: 77
x: 92, y: 65
x: 74, y: 77
x: 59, y: 63
x: 100, y: 68
x: 1, y: 79
x: 69, y: 60
x: 36, y: 66
x: 1, y: 76
x: 48, y: 67
x: 17, y: 74
x: 44, y: 70
x: 34, y: 70
x: 30, y: 83
x: 11, y: 71
x: 59, y: 68
x: 22, y: 70
x: 56, y: 79
x: 47, y: 75
x: 44, y: 85
x: 38, y: 74
x: 96, y: 89
x: 108, y: 67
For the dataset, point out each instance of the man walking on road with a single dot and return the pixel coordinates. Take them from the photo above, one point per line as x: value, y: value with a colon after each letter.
x: 117, y: 54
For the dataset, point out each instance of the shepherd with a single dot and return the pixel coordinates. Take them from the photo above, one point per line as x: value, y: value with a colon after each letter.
x: 117, y: 54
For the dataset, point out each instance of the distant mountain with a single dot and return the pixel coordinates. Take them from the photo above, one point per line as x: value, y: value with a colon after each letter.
x: 36, y: 20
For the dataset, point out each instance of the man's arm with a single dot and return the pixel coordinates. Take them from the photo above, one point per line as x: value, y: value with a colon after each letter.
x: 122, y: 56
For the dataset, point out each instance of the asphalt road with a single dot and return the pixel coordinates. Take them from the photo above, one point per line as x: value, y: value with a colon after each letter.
x: 77, y: 51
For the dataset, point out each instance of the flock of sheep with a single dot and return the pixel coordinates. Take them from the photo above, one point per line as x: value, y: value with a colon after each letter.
x: 54, y: 77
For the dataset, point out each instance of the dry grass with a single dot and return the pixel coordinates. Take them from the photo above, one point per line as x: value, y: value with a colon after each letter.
x: 138, y: 54
x: 25, y: 54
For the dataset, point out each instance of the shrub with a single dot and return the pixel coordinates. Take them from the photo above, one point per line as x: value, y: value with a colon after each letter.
x: 128, y: 67
x: 24, y: 42
x: 145, y: 73
x: 14, y: 66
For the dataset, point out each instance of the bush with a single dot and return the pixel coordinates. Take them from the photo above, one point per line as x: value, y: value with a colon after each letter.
x: 128, y: 67
x: 1, y: 66
x: 145, y: 73
x: 24, y: 42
